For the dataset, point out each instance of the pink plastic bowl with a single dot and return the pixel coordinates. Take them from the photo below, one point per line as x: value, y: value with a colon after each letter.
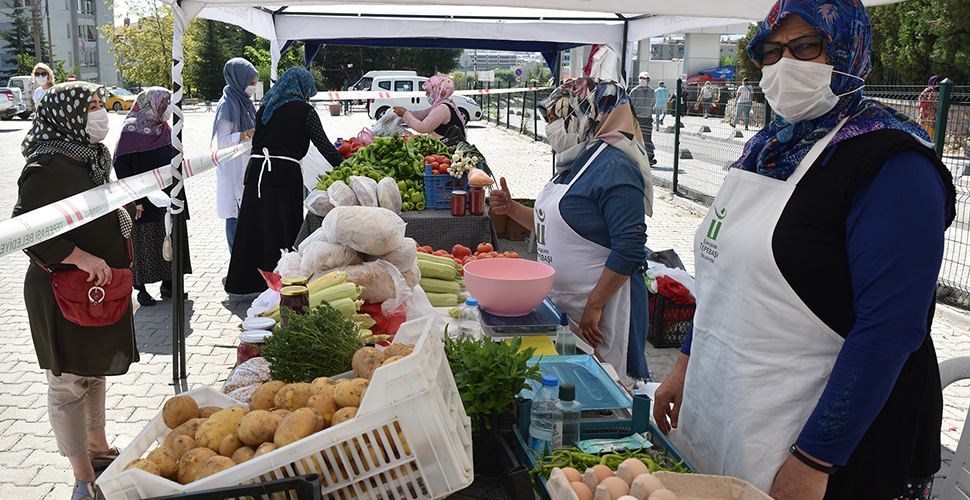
x: 508, y: 287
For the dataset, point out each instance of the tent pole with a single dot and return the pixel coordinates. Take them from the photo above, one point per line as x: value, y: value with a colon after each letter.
x: 178, y: 205
x: 626, y: 33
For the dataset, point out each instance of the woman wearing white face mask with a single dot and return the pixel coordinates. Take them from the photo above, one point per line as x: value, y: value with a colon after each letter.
x: 44, y: 77
x: 810, y: 370
x: 65, y: 156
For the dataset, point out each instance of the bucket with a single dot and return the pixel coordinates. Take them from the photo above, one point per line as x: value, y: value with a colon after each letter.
x: 335, y: 109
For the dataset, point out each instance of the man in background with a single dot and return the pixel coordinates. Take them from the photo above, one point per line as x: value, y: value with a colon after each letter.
x: 643, y: 101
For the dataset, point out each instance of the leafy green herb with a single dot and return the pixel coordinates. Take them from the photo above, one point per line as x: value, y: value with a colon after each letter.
x: 489, y: 374
x: 319, y: 343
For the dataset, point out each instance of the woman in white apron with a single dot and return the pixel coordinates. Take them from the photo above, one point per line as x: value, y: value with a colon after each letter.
x: 810, y: 370
x: 589, y: 225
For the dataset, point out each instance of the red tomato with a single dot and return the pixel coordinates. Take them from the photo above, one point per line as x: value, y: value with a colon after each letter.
x: 434, y: 171
x: 458, y: 261
x: 427, y: 249
x: 460, y: 251
x: 484, y: 248
x: 511, y: 255
x: 446, y: 161
x: 439, y: 253
x: 445, y: 168
x: 484, y: 256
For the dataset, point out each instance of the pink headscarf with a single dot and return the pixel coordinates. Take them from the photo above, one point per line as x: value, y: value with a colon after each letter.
x: 439, y: 89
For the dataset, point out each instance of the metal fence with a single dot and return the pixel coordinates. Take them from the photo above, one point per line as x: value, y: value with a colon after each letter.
x: 513, y: 110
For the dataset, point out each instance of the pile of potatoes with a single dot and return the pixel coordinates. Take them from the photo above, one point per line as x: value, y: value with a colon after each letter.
x: 207, y: 440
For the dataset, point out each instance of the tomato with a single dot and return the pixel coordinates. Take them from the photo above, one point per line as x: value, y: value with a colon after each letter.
x: 428, y: 160
x: 484, y: 256
x: 434, y: 171
x: 440, y: 253
x: 458, y: 261
x: 484, y: 248
x: 446, y: 161
x: 435, y: 165
x: 427, y: 249
x: 460, y: 251
x: 445, y: 168
x: 494, y: 254
x: 511, y: 255
x: 468, y: 258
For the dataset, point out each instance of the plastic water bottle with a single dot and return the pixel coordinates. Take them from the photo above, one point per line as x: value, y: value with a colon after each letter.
x: 565, y: 340
x: 570, y: 413
x: 470, y: 320
x: 545, y: 433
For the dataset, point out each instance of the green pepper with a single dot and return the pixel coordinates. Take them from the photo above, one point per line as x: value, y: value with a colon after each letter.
x: 417, y: 197
x: 337, y: 175
x: 374, y: 175
x: 419, y: 206
x: 410, y: 183
x: 402, y: 186
x: 345, y: 171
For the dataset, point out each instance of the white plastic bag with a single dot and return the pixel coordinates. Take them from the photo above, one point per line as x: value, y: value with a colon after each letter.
x: 288, y: 264
x: 389, y: 124
x: 319, y: 257
x: 254, y: 371
x: 341, y: 195
x: 318, y: 202
x: 366, y: 190
x: 403, y: 257
x: 313, y: 166
x: 263, y: 303
x: 388, y: 195
x: 318, y: 235
x: 380, y: 283
x: 369, y: 230
x: 413, y: 276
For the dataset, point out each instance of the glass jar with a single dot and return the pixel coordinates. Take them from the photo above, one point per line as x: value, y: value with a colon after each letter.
x: 295, y: 298
x: 476, y: 200
x: 251, y: 343
x: 259, y: 323
x: 293, y: 279
x: 458, y: 200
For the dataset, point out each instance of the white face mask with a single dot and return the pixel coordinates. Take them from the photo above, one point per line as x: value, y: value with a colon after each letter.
x: 251, y: 90
x: 41, y: 80
x: 97, y: 127
x: 800, y: 90
x: 644, y: 82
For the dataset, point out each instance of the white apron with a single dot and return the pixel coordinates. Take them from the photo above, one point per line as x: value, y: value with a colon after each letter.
x: 579, y: 263
x: 760, y: 358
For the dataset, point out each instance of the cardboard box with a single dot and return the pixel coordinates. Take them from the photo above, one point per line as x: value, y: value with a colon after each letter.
x: 517, y: 232
x: 500, y: 222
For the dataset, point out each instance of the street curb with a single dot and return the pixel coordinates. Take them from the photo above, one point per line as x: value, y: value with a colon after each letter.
x: 953, y: 315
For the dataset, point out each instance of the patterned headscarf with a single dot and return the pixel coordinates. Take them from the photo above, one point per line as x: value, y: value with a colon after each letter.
x: 439, y: 89
x: 236, y: 106
x: 296, y: 84
x: 145, y: 126
x: 776, y: 150
x: 60, y: 127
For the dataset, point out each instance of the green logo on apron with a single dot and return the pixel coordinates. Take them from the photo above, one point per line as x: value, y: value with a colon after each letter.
x: 540, y: 227
x: 716, y: 224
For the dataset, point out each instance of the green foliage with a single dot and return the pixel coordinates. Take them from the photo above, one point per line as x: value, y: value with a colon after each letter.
x: 537, y: 75
x: 319, y: 343
x: 727, y: 61
x: 143, y: 50
x: 342, y: 65
x: 19, y: 40
x: 489, y: 374
x: 258, y: 53
x: 746, y: 68
x: 916, y: 39
x: 209, y: 44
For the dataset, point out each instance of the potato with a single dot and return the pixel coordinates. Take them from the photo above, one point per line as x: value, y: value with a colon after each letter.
x: 207, y: 411
x: 166, y: 460
x: 257, y: 427
x: 324, y: 404
x: 323, y: 385
x: 343, y: 415
x: 406, y: 351
x: 395, y: 349
x: 230, y: 444
x: 293, y: 396
x: 365, y: 361
x: 214, y: 465
x: 145, y: 465
x: 296, y: 426
x: 264, y: 449
x: 179, y: 410
x: 280, y: 412
x: 183, y: 444
x: 342, y: 381
x: 187, y: 429
x: 262, y: 398
x: 391, y: 360
x: 351, y: 393
x: 243, y: 454
x: 191, y: 463
x: 218, y: 426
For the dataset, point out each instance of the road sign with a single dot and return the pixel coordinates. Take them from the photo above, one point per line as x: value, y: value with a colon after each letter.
x: 486, y: 76
x: 70, y: 78
x: 518, y: 72
x: 465, y: 61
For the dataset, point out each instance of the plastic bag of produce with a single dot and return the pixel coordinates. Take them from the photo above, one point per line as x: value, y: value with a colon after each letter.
x: 412, y: 276
x: 389, y: 124
x: 370, y: 230
x: 388, y: 195
x: 320, y: 257
x: 381, y: 283
x: 250, y: 372
x: 403, y: 257
x: 366, y: 190
x: 318, y: 235
x: 341, y: 195
x: 288, y: 264
x: 318, y: 202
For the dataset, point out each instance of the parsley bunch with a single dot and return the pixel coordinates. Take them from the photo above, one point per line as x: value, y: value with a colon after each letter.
x: 320, y: 343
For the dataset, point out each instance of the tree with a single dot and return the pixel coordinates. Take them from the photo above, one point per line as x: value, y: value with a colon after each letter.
x: 208, y: 45
x: 746, y: 68
x: 538, y: 74
x: 342, y: 65
x: 143, y: 50
x: 727, y: 61
x: 19, y: 40
x: 915, y: 39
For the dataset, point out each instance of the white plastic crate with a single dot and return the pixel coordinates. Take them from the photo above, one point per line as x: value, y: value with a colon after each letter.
x: 428, y: 458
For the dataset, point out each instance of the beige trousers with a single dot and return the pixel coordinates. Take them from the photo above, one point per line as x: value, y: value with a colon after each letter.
x: 75, y: 406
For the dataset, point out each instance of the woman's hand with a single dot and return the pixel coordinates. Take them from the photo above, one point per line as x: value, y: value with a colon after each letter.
x: 797, y: 481
x: 399, y: 111
x: 96, y: 267
x: 500, y: 201
x: 139, y: 209
x: 669, y: 396
x: 589, y: 325
x: 247, y: 134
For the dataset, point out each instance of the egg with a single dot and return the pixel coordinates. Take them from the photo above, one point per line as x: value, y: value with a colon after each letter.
x: 630, y: 469
x: 662, y: 495
x: 644, y: 485
x: 602, y: 472
x: 572, y: 475
x: 628, y: 497
x: 582, y: 491
x: 616, y: 486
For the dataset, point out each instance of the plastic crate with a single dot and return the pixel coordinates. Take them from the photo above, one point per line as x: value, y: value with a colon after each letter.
x: 438, y: 188
x: 428, y: 458
x: 669, y: 322
x: 604, y: 429
x: 303, y: 487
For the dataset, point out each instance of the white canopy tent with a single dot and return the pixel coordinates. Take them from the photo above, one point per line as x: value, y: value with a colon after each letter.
x: 617, y: 23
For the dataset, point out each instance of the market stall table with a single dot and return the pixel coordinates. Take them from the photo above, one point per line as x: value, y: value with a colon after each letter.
x: 435, y: 228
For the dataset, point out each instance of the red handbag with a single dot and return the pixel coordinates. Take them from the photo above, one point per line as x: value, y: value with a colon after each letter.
x: 86, y: 304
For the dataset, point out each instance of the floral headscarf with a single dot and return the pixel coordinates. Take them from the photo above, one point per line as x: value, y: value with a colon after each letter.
x: 296, y: 84
x: 439, y: 89
x: 60, y: 127
x: 776, y: 150
x: 145, y: 125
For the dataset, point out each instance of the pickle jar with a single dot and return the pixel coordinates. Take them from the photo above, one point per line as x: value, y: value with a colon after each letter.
x: 293, y: 279
x: 458, y: 200
x: 251, y: 343
x: 295, y: 298
x: 476, y: 200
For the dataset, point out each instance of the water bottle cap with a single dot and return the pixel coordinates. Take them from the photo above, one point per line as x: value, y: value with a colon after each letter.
x: 471, y: 302
x: 567, y: 391
x: 550, y: 380
x: 563, y: 319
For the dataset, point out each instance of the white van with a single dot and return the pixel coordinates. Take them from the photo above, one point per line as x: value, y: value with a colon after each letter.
x: 365, y: 82
x: 468, y: 108
x: 27, y: 87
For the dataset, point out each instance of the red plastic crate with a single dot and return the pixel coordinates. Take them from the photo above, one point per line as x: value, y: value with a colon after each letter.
x: 669, y: 322
x: 438, y: 188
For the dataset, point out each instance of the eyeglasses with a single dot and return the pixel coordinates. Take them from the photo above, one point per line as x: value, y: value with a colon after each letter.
x: 803, y: 48
x: 43, y: 73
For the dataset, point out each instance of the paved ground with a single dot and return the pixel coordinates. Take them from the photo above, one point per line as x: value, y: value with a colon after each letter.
x: 28, y: 454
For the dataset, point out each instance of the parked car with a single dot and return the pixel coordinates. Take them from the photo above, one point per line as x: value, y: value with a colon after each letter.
x: 27, y: 87
x: 119, y: 99
x: 469, y: 109
x: 11, y: 103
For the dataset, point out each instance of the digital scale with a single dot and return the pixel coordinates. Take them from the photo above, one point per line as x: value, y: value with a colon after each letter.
x: 543, y: 320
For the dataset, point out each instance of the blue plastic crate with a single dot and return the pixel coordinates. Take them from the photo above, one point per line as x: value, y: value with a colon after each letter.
x: 438, y: 188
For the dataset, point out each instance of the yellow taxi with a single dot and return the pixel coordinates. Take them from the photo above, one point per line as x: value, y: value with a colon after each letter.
x: 119, y: 99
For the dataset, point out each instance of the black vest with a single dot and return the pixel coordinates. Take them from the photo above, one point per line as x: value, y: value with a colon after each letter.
x: 452, y: 132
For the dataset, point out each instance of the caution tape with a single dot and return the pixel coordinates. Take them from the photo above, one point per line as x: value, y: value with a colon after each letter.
x: 70, y: 213
x: 370, y: 94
